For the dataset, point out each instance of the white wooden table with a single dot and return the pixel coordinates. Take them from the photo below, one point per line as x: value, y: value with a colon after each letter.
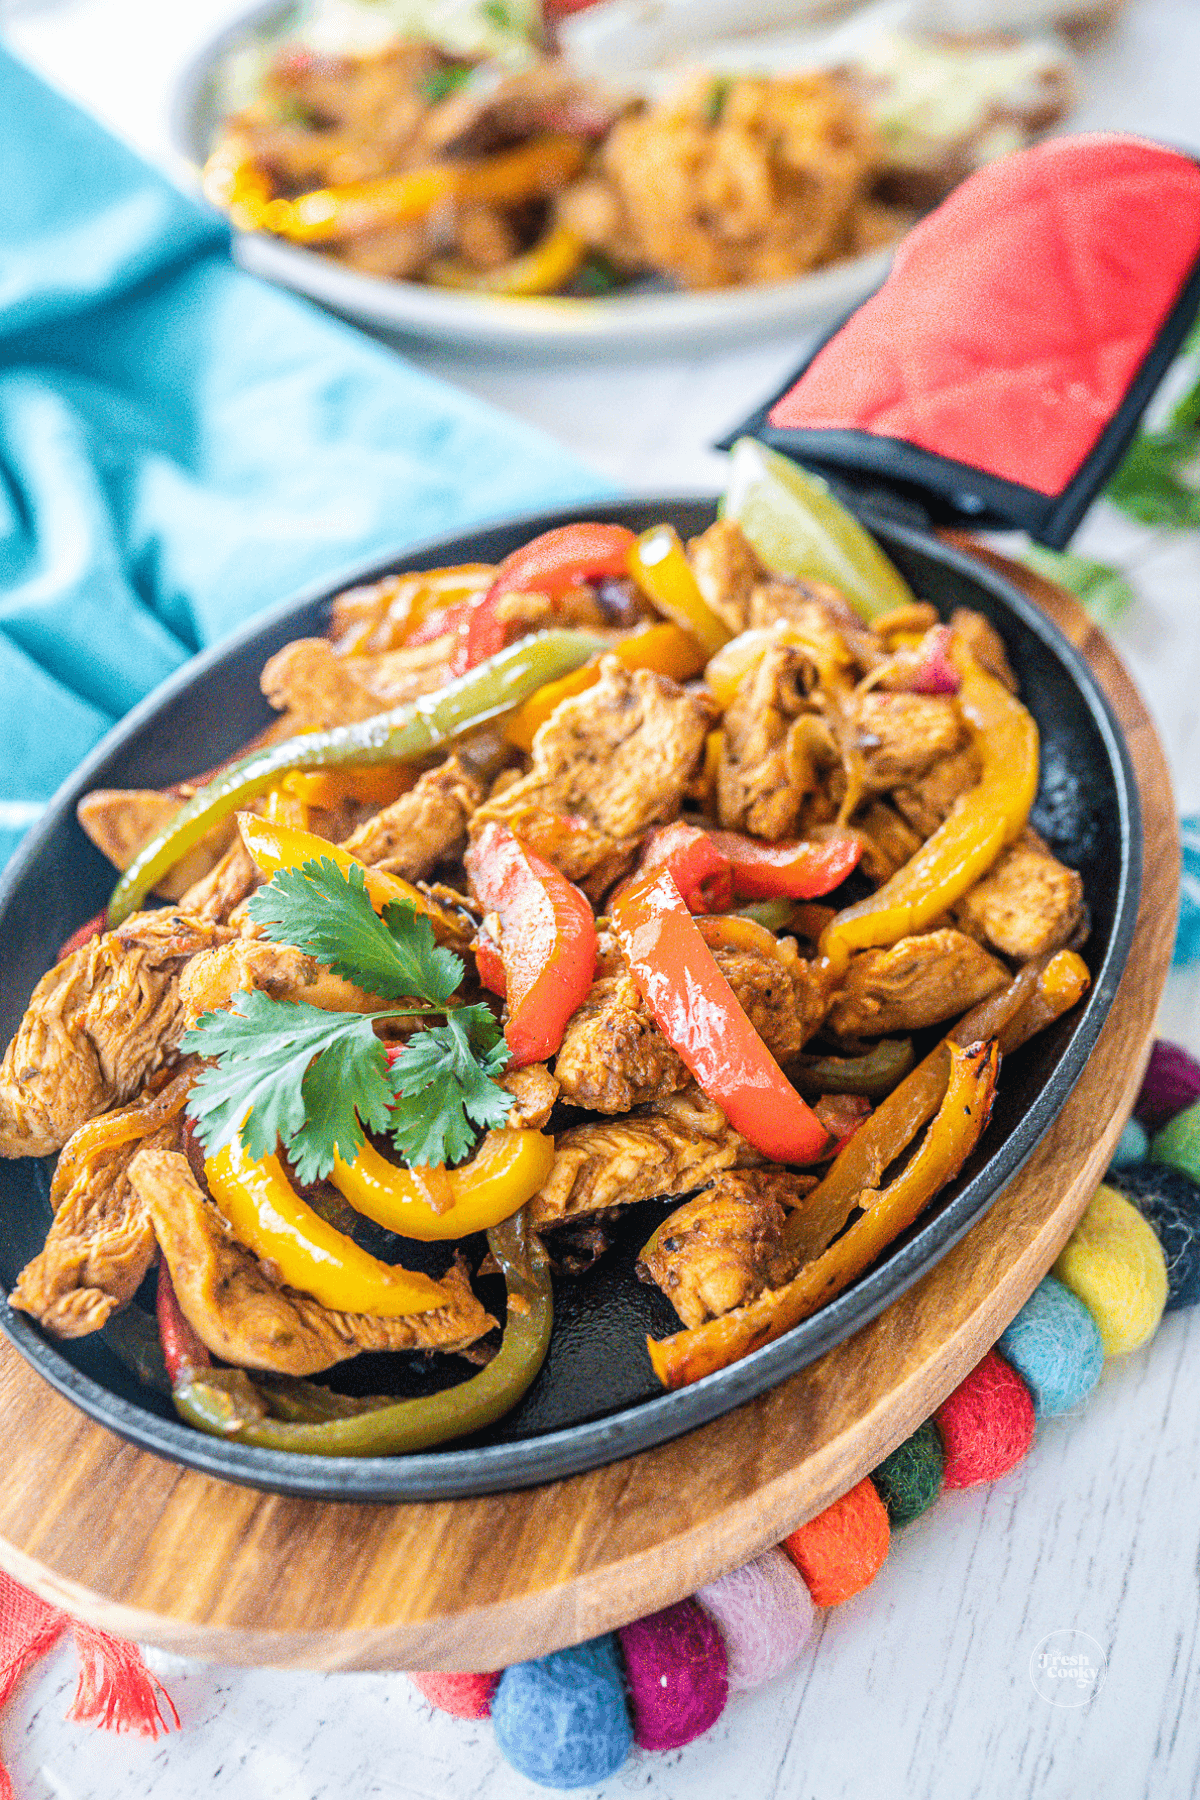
x: 920, y: 1688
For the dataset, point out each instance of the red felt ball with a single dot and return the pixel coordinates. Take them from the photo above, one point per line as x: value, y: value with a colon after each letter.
x: 843, y: 1549
x: 467, y: 1696
x: 987, y: 1424
x: 676, y: 1670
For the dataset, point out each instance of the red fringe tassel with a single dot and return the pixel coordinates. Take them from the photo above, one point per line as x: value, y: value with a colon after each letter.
x: 116, y: 1690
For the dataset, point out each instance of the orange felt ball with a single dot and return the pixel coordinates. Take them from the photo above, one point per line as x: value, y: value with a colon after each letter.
x: 841, y: 1551
x: 987, y: 1424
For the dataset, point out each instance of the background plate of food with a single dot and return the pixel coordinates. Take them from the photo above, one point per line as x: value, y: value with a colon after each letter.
x: 789, y: 833
x: 437, y: 171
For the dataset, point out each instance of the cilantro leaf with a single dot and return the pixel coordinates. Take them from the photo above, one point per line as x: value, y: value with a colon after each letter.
x: 1104, y: 591
x: 1159, y: 481
x: 328, y: 914
x: 306, y: 1076
x: 458, y: 1060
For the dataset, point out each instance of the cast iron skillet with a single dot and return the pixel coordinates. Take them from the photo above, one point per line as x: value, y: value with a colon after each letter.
x: 596, y: 1399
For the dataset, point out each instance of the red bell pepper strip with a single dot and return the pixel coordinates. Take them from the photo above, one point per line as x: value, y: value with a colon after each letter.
x: 800, y: 869
x: 489, y: 962
x: 698, y: 1012
x: 547, y: 939
x: 182, y: 1349
x: 701, y: 872
x: 84, y: 935
x: 550, y: 564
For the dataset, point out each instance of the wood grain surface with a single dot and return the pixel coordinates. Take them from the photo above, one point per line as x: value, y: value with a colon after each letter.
x: 160, y: 1553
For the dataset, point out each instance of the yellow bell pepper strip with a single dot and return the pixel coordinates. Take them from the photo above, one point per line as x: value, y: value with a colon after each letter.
x: 797, y: 527
x: 533, y: 170
x: 317, y: 1422
x: 327, y: 788
x: 966, y: 844
x: 406, y: 733
x: 274, y: 847
x: 699, y: 1014
x: 952, y: 1135
x: 509, y: 1168
x: 236, y: 184
x: 543, y: 269
x: 666, y: 649
x: 269, y: 1217
x: 661, y: 570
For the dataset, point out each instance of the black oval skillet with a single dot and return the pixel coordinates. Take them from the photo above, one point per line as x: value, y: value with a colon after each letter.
x: 596, y: 1399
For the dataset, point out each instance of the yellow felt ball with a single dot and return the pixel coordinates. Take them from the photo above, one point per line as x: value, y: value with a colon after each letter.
x: 1114, y: 1263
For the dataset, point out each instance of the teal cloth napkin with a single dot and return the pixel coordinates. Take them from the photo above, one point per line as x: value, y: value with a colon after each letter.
x: 181, y: 444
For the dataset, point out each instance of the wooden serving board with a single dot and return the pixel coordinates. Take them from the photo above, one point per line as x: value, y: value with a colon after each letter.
x: 159, y: 1553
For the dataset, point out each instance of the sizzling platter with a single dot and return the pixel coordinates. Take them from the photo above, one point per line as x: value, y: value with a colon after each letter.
x: 593, y: 1400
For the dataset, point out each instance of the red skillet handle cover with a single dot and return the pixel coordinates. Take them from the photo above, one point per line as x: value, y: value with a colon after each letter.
x: 1017, y: 314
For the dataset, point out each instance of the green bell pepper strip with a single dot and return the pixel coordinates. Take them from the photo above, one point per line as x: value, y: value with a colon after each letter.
x: 318, y: 1423
x: 402, y: 735
x: 872, y: 1075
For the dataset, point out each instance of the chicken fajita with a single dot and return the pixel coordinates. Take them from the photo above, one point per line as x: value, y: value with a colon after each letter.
x: 624, y: 870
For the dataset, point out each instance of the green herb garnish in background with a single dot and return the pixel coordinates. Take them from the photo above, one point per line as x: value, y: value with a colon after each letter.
x: 1103, y: 591
x: 312, y: 1080
x: 439, y: 84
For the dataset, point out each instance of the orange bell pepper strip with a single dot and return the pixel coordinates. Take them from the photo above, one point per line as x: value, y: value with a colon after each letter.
x: 799, y: 868
x: 666, y: 649
x: 378, y: 783
x: 661, y: 570
x: 1060, y: 986
x: 509, y: 1168
x: 966, y: 844
x: 547, y: 939
x: 269, y: 1217
x: 698, y: 1012
x: 955, y: 1130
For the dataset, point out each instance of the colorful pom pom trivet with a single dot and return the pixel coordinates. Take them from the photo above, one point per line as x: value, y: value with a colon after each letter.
x: 571, y: 1719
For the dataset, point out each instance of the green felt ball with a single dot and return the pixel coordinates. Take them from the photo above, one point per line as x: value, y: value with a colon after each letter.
x: 1178, y: 1142
x: 910, y: 1479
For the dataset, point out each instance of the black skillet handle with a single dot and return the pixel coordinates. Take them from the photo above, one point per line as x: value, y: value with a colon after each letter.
x: 998, y: 375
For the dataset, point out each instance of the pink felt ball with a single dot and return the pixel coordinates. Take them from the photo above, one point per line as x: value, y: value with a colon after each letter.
x: 987, y: 1424
x: 765, y: 1613
x: 675, y: 1666
x: 1171, y: 1083
x: 467, y: 1696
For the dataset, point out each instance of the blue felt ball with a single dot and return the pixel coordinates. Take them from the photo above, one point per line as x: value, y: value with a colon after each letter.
x: 562, y: 1720
x: 1169, y: 1201
x: 1054, y: 1345
x: 1133, y: 1146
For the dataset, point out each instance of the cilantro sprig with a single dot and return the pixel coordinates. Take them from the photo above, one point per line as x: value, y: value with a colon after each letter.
x: 281, y: 1071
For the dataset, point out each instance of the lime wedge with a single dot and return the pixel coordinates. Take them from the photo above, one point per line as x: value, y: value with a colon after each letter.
x: 799, y: 529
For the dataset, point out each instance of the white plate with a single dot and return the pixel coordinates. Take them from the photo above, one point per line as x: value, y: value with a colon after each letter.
x: 642, y: 318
